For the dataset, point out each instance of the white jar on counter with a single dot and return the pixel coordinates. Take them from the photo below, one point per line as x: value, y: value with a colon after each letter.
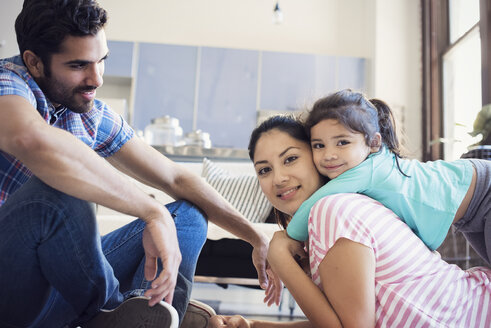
x: 198, y: 138
x: 164, y: 131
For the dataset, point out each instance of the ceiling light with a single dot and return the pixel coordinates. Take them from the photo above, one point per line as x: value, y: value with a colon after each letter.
x: 277, y: 14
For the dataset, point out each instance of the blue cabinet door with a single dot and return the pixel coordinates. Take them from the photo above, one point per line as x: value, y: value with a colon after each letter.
x: 351, y: 73
x: 165, y: 84
x: 227, y: 95
x: 292, y: 81
x: 119, y: 63
x: 228, y: 85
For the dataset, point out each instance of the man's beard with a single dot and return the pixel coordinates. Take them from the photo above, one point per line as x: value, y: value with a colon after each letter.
x: 57, y: 93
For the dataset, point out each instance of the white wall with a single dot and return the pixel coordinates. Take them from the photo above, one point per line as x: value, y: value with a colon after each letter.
x: 8, y: 42
x: 386, y: 32
x: 311, y: 26
x: 397, y: 64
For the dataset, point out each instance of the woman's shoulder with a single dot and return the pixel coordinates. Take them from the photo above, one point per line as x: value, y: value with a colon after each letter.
x: 356, y: 213
x: 348, y: 203
x: 363, y: 220
x: 349, y: 216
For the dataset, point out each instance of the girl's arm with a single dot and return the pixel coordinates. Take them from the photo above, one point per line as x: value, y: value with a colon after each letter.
x: 354, y: 180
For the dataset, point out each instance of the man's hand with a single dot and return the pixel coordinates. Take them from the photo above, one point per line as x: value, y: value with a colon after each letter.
x: 273, y: 287
x: 160, y: 241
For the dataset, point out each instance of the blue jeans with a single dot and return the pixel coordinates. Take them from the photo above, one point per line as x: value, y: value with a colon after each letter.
x: 56, y: 270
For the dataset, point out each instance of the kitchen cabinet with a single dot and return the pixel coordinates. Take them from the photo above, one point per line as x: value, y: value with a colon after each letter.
x: 351, y: 73
x: 165, y: 84
x: 292, y: 82
x: 119, y: 63
x: 227, y: 95
x: 219, y: 90
x: 286, y: 80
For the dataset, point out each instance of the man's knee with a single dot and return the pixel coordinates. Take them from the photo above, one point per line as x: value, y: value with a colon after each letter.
x: 36, y: 200
x: 189, y: 215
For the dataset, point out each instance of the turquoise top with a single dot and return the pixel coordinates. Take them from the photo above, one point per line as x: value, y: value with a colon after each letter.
x: 427, y: 200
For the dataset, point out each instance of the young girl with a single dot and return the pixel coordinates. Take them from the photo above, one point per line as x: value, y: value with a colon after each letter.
x: 354, y: 144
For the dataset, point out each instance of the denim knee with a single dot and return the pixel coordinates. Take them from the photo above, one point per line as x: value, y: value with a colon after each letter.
x: 192, y: 228
x: 36, y: 200
x: 190, y: 218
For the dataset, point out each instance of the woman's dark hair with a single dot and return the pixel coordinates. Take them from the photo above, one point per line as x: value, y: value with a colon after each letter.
x: 358, y: 114
x: 289, y: 125
x: 284, y: 123
x: 43, y: 25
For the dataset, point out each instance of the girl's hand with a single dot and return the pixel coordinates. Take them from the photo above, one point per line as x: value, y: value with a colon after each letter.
x: 236, y: 321
x: 281, y: 243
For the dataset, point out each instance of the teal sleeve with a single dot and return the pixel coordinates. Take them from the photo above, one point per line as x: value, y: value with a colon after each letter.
x: 298, y: 226
x: 349, y: 182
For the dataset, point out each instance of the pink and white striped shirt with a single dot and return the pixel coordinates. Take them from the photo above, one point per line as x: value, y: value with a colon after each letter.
x: 414, y: 287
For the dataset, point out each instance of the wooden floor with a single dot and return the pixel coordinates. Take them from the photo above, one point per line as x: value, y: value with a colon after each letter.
x: 246, y: 301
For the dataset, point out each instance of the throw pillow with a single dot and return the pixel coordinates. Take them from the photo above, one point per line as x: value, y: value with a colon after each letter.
x: 241, y: 190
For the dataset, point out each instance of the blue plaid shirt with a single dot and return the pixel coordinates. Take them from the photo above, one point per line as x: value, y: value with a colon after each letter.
x: 101, y: 128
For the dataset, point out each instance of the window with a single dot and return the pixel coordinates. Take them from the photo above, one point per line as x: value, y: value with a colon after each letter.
x: 456, y: 73
x: 463, y: 15
x: 461, y: 93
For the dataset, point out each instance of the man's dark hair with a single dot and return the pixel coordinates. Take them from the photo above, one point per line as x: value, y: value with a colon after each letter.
x: 43, y: 25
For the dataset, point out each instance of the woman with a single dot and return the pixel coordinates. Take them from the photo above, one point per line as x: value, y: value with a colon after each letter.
x: 367, y: 267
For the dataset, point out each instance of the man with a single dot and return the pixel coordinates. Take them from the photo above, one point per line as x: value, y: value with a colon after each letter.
x: 59, y: 148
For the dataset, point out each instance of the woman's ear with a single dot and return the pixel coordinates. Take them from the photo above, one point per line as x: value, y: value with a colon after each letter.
x: 33, y: 63
x: 376, y: 143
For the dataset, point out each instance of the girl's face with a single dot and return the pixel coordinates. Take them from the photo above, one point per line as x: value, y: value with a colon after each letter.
x: 336, y: 149
x: 285, y: 170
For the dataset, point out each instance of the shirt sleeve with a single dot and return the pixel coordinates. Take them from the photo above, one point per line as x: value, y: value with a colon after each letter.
x: 13, y: 84
x: 335, y: 217
x: 113, y: 132
x: 351, y: 181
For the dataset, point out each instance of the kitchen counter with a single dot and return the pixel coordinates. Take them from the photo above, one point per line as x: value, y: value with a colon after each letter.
x: 197, y: 153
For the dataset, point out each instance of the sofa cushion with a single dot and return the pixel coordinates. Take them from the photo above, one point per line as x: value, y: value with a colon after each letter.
x: 241, y: 190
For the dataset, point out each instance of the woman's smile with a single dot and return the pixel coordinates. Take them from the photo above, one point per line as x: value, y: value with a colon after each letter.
x: 286, y: 194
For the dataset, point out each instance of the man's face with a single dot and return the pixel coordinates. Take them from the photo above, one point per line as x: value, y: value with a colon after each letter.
x: 76, y: 72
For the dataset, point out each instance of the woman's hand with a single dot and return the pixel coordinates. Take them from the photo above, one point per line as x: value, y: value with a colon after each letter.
x: 236, y: 321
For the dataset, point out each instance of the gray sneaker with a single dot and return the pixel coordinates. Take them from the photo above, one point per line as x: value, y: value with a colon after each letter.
x: 135, y: 313
x: 197, y: 315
